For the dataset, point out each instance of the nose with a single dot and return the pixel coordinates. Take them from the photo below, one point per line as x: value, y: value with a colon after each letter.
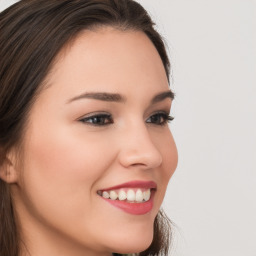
x: 138, y: 149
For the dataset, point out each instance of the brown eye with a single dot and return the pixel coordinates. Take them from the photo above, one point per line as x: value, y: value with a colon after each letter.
x: 97, y: 120
x: 159, y: 119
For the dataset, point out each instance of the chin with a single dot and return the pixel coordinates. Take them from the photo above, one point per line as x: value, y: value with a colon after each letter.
x: 127, y: 243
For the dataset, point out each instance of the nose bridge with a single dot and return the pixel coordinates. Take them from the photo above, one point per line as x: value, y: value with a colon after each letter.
x: 138, y: 148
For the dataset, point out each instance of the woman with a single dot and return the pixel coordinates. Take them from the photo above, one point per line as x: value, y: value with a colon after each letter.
x: 86, y: 152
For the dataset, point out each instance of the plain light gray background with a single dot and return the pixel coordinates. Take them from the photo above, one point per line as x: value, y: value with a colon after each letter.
x: 212, y: 196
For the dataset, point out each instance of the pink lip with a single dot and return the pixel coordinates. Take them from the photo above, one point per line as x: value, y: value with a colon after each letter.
x: 134, y: 208
x: 134, y: 184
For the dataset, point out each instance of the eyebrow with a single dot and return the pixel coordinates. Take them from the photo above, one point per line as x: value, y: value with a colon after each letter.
x: 162, y: 96
x: 104, y: 96
x: 115, y: 97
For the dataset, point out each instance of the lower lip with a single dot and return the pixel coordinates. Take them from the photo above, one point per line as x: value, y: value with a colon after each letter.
x: 133, y: 208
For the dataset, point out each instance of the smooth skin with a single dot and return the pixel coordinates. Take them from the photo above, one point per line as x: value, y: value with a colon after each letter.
x: 67, y: 156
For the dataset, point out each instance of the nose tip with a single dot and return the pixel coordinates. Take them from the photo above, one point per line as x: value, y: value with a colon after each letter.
x: 147, y: 161
x: 140, y: 151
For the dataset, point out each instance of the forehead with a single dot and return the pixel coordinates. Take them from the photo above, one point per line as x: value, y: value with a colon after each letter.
x: 110, y: 60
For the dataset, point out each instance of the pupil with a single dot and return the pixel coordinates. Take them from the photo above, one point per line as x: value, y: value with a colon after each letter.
x: 156, y: 119
x: 97, y: 120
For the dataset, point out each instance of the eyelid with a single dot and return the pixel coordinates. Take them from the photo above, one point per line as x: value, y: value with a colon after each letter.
x: 92, y: 115
x: 102, y: 118
x: 163, y: 113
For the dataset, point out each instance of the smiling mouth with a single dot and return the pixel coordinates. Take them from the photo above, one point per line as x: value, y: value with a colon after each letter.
x: 129, y: 195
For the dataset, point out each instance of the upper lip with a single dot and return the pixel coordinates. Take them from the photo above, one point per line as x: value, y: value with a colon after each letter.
x: 134, y: 184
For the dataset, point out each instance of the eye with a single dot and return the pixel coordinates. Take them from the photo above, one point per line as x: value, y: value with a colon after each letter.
x: 97, y: 119
x: 160, y: 118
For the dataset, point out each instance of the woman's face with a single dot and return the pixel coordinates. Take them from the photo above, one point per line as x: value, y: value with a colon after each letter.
x: 98, y: 129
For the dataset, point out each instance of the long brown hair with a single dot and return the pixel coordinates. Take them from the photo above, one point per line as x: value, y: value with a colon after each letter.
x: 32, y: 32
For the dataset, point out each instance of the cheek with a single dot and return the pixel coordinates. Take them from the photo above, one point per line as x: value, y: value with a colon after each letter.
x: 60, y: 170
x: 170, y: 156
x: 66, y: 155
x: 167, y: 147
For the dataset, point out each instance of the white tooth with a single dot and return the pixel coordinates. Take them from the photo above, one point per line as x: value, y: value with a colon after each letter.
x: 105, y: 194
x: 113, y: 195
x: 146, y: 195
x: 139, y: 196
x: 130, y: 195
x: 122, y: 195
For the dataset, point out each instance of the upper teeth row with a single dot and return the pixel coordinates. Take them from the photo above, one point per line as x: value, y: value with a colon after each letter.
x: 130, y: 195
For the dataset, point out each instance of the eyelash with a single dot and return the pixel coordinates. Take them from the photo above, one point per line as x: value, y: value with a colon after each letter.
x: 164, y: 118
x: 159, y: 118
x: 97, y: 117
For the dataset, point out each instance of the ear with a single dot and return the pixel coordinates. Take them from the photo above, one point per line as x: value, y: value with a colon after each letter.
x: 8, y: 172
